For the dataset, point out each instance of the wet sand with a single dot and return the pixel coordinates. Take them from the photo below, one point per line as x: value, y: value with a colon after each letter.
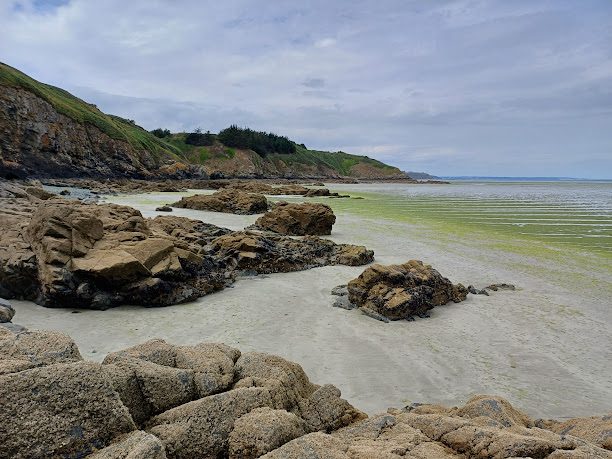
x: 545, y: 347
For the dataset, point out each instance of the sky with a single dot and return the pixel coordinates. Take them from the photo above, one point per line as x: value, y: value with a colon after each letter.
x: 450, y: 87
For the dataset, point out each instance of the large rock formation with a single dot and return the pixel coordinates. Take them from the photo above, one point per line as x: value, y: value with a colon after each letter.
x: 264, y: 254
x: 226, y: 200
x: 298, y: 219
x: 402, y: 291
x: 68, y: 253
x: 157, y: 401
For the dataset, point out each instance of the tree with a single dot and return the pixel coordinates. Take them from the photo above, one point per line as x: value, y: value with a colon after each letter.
x: 198, y: 139
x: 161, y: 133
x: 262, y: 143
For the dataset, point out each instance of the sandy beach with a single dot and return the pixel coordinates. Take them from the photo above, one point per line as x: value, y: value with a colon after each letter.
x: 546, y: 347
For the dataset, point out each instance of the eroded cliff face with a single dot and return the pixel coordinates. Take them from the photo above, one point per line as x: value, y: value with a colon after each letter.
x: 36, y: 140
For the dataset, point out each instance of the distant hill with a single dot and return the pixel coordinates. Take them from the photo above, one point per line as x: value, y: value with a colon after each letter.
x: 46, y: 131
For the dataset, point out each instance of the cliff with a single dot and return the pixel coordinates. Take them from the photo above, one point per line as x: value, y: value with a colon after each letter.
x: 47, y: 132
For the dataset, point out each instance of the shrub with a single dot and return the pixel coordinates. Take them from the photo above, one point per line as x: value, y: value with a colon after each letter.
x: 161, y: 133
x: 198, y: 139
x: 262, y: 143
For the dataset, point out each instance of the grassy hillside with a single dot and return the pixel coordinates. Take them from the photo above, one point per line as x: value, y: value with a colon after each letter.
x: 82, y: 112
x: 339, y: 161
x: 174, y: 146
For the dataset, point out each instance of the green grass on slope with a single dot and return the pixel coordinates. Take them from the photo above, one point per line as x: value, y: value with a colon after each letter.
x: 80, y: 111
x: 338, y: 161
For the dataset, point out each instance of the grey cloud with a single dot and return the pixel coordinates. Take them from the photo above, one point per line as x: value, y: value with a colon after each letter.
x: 313, y: 82
x: 476, y: 83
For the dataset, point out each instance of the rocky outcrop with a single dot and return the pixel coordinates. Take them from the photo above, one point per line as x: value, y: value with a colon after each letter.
x: 297, y: 219
x: 264, y: 254
x: 157, y: 401
x: 226, y: 200
x: 37, y: 140
x: 63, y: 253
x: 402, y: 291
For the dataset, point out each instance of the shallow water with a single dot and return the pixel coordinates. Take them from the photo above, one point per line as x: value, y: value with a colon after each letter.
x: 574, y: 213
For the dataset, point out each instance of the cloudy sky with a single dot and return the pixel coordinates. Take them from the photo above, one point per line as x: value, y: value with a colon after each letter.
x: 452, y: 87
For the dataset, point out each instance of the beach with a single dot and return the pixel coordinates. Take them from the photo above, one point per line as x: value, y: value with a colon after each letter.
x: 545, y: 347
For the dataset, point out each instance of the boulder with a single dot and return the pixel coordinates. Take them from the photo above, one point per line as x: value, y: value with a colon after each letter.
x: 111, y: 265
x: 66, y: 253
x: 201, y: 428
x: 263, y: 430
x: 155, y: 376
x: 320, y: 407
x: 403, y: 291
x: 6, y: 311
x: 37, y: 348
x: 135, y: 445
x: 59, y: 410
x: 596, y: 429
x: 298, y: 219
x: 495, y: 408
x: 316, y: 445
x: 227, y: 200
x: 39, y: 192
x: 263, y: 254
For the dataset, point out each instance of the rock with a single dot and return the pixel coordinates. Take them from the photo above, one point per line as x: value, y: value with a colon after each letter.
x: 62, y: 253
x: 266, y: 188
x: 265, y: 407
x: 402, y: 291
x: 496, y: 287
x: 37, y: 348
x: 495, y: 408
x: 6, y: 311
x: 344, y: 303
x: 373, y: 314
x: 263, y: 430
x: 155, y: 376
x: 266, y: 254
x: 15, y: 328
x: 112, y: 265
x: 60, y: 410
x: 596, y: 429
x: 163, y: 209
x: 135, y: 445
x: 201, y: 428
x: 226, y: 200
x: 355, y: 255
x: 298, y: 219
x: 39, y: 192
x: 325, y: 410
x: 313, y: 446
x: 289, y: 389
x: 340, y: 290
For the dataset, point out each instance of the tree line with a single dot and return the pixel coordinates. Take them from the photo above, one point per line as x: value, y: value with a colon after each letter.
x: 262, y: 143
